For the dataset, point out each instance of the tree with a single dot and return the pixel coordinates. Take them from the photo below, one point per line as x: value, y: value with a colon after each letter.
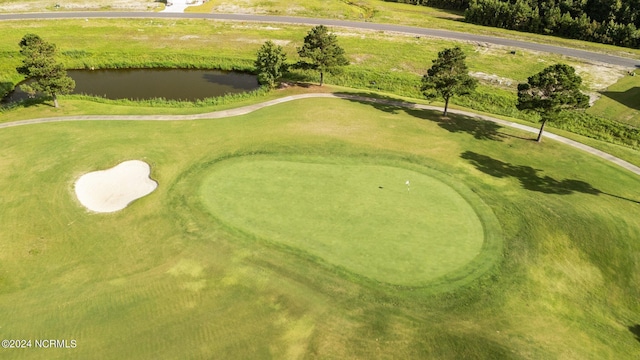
x: 555, y: 88
x: 270, y: 63
x: 39, y: 65
x: 323, y: 51
x: 448, y: 76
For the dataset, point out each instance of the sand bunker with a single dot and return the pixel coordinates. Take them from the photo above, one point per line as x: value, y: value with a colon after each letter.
x: 113, y: 189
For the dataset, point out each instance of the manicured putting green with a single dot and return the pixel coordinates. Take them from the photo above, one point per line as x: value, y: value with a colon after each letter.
x: 364, y: 218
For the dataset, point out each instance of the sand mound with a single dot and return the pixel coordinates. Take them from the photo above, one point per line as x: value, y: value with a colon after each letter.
x: 113, y: 189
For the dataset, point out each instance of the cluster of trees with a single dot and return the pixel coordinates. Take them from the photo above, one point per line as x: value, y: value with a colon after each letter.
x: 604, y: 21
x: 614, y: 22
x: 320, y: 52
x: 547, y: 93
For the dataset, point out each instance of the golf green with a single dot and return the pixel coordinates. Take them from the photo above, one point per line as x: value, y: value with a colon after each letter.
x: 387, y: 223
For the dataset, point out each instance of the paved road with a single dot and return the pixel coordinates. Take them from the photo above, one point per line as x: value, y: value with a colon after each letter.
x: 581, y: 54
x: 251, y: 108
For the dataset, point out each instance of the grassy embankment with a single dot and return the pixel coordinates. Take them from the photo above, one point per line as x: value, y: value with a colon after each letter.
x: 363, y: 10
x: 621, y: 102
x: 208, y: 44
x: 164, y: 278
x: 394, y: 13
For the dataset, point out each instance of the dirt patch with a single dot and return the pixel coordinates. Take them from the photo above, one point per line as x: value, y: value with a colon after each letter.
x: 262, y: 41
x: 36, y: 5
x: 243, y: 8
x: 360, y: 58
x: 599, y: 76
x: 493, y: 79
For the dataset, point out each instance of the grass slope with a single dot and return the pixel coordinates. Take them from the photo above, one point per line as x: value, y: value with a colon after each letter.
x: 231, y: 45
x: 389, y: 12
x: 620, y: 102
x: 164, y: 279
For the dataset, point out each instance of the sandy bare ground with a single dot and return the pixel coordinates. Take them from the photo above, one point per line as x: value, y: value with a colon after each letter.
x: 14, y: 6
x: 113, y: 189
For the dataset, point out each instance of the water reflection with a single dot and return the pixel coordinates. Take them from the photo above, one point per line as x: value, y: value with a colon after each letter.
x: 171, y: 84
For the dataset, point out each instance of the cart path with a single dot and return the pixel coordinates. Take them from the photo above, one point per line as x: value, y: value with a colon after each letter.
x: 251, y: 108
x: 447, y: 34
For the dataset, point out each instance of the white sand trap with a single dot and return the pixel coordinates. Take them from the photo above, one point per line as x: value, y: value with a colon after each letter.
x: 113, y: 189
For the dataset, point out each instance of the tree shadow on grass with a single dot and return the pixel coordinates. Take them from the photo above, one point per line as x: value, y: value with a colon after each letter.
x: 5, y: 88
x: 379, y: 102
x: 531, y: 180
x: 27, y: 103
x: 635, y: 330
x: 16, y: 97
x: 528, y: 176
x: 629, y: 98
x: 454, y: 123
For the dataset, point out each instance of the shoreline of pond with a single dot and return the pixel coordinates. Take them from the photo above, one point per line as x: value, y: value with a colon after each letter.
x: 143, y: 84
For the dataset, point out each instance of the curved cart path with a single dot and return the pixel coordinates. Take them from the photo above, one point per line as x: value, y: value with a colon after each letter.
x: 447, y: 34
x: 251, y: 108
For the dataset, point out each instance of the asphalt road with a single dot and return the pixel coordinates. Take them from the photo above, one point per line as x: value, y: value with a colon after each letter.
x: 581, y: 54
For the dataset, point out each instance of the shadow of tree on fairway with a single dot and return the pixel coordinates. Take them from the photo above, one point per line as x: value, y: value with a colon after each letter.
x: 531, y: 180
x: 629, y: 98
x: 528, y: 176
x: 635, y: 330
x: 479, y: 129
x: 379, y: 102
x: 454, y: 123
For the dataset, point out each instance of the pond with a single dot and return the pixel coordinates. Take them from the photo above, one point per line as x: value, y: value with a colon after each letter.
x: 140, y: 84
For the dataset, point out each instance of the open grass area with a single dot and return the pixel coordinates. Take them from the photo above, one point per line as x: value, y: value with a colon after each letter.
x: 165, y: 279
x: 19, y: 6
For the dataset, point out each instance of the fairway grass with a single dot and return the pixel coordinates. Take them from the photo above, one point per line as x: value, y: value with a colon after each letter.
x: 163, y: 278
x: 361, y: 217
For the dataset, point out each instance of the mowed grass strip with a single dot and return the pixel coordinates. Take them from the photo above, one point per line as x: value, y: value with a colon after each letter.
x: 386, y: 223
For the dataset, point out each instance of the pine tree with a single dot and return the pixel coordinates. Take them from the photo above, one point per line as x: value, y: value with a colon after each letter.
x: 39, y: 65
x: 548, y: 92
x: 323, y: 51
x: 448, y: 76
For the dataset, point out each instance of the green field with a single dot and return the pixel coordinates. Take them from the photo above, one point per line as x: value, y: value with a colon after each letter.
x: 166, y: 278
x: 620, y: 101
x: 290, y: 232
